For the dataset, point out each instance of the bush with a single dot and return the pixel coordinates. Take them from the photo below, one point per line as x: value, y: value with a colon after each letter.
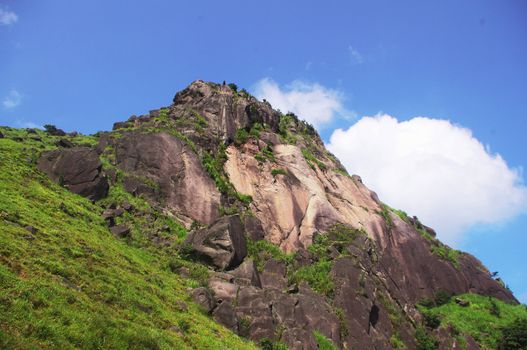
x: 233, y: 87
x: 442, y: 297
x: 241, y: 137
x: 431, y: 319
x: 514, y: 335
x: 424, y: 341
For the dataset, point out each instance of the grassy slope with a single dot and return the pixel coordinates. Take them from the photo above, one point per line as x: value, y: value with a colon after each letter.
x: 482, y: 319
x: 72, y: 284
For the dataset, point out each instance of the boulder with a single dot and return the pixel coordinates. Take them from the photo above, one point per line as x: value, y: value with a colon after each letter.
x: 120, y: 230
x: 225, y: 315
x: 254, y: 228
x: 65, y: 143
x: 54, y: 131
x: 78, y: 169
x: 203, y: 298
x: 222, y: 244
x: 247, y: 271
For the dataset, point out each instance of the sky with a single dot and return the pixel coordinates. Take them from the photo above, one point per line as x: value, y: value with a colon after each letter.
x: 424, y: 99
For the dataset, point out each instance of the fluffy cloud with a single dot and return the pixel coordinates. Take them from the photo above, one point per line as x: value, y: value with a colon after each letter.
x: 12, y: 99
x: 7, y: 17
x: 432, y: 169
x: 310, y: 101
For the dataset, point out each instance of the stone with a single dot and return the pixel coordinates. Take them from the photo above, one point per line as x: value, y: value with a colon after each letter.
x: 461, y: 302
x: 224, y: 314
x: 31, y: 229
x: 223, y: 291
x: 273, y: 275
x: 54, y: 131
x: 247, y: 271
x: 127, y: 206
x: 120, y: 230
x: 254, y: 228
x: 203, y: 298
x: 77, y: 169
x: 65, y: 143
x: 221, y: 245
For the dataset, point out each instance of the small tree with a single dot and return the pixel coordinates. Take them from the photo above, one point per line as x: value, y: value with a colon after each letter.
x: 233, y: 87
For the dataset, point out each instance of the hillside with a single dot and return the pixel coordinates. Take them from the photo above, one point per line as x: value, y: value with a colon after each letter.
x: 218, y: 222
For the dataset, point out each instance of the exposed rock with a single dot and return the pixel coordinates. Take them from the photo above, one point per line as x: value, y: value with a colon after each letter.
x: 222, y: 244
x: 31, y: 229
x: 65, y: 143
x: 273, y: 275
x: 78, y: 169
x: 203, y: 298
x: 462, y: 302
x: 120, y: 230
x: 54, y: 131
x: 247, y: 270
x: 254, y: 228
x: 225, y: 315
x: 223, y: 291
x: 162, y: 163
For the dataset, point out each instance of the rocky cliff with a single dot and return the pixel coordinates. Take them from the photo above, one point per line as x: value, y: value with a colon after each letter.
x: 297, y: 251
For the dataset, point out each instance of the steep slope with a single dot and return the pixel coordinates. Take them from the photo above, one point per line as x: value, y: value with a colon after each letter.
x: 66, y: 282
x: 284, y: 247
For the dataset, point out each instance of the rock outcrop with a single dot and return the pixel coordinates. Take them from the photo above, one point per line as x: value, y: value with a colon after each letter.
x: 222, y: 244
x: 79, y: 169
x: 236, y: 173
x: 165, y: 169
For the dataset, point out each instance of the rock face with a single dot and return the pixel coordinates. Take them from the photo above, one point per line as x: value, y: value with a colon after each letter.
x: 215, y: 152
x: 222, y: 244
x: 224, y: 111
x: 78, y: 169
x: 165, y: 169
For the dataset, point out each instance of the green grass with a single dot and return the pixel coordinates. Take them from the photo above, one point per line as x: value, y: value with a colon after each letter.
x: 263, y: 250
x: 323, y: 342
x: 73, y: 285
x: 482, y: 319
x: 275, y: 172
x: 311, y: 159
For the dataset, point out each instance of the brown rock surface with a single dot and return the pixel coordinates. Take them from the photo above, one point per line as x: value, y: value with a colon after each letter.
x: 170, y: 172
x: 78, y: 169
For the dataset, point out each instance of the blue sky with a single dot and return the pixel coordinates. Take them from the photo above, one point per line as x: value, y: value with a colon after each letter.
x: 83, y: 65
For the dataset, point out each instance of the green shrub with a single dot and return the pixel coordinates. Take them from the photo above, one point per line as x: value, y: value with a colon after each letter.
x: 323, y: 342
x: 424, y: 341
x: 241, y: 137
x: 514, y: 335
x: 263, y: 250
x: 442, y: 297
x: 233, y: 87
x: 431, y: 319
x: 317, y: 275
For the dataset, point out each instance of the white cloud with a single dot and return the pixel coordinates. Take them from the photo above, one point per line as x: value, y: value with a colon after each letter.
x: 310, y: 101
x: 7, y: 17
x: 432, y: 169
x: 355, y: 56
x: 12, y: 99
